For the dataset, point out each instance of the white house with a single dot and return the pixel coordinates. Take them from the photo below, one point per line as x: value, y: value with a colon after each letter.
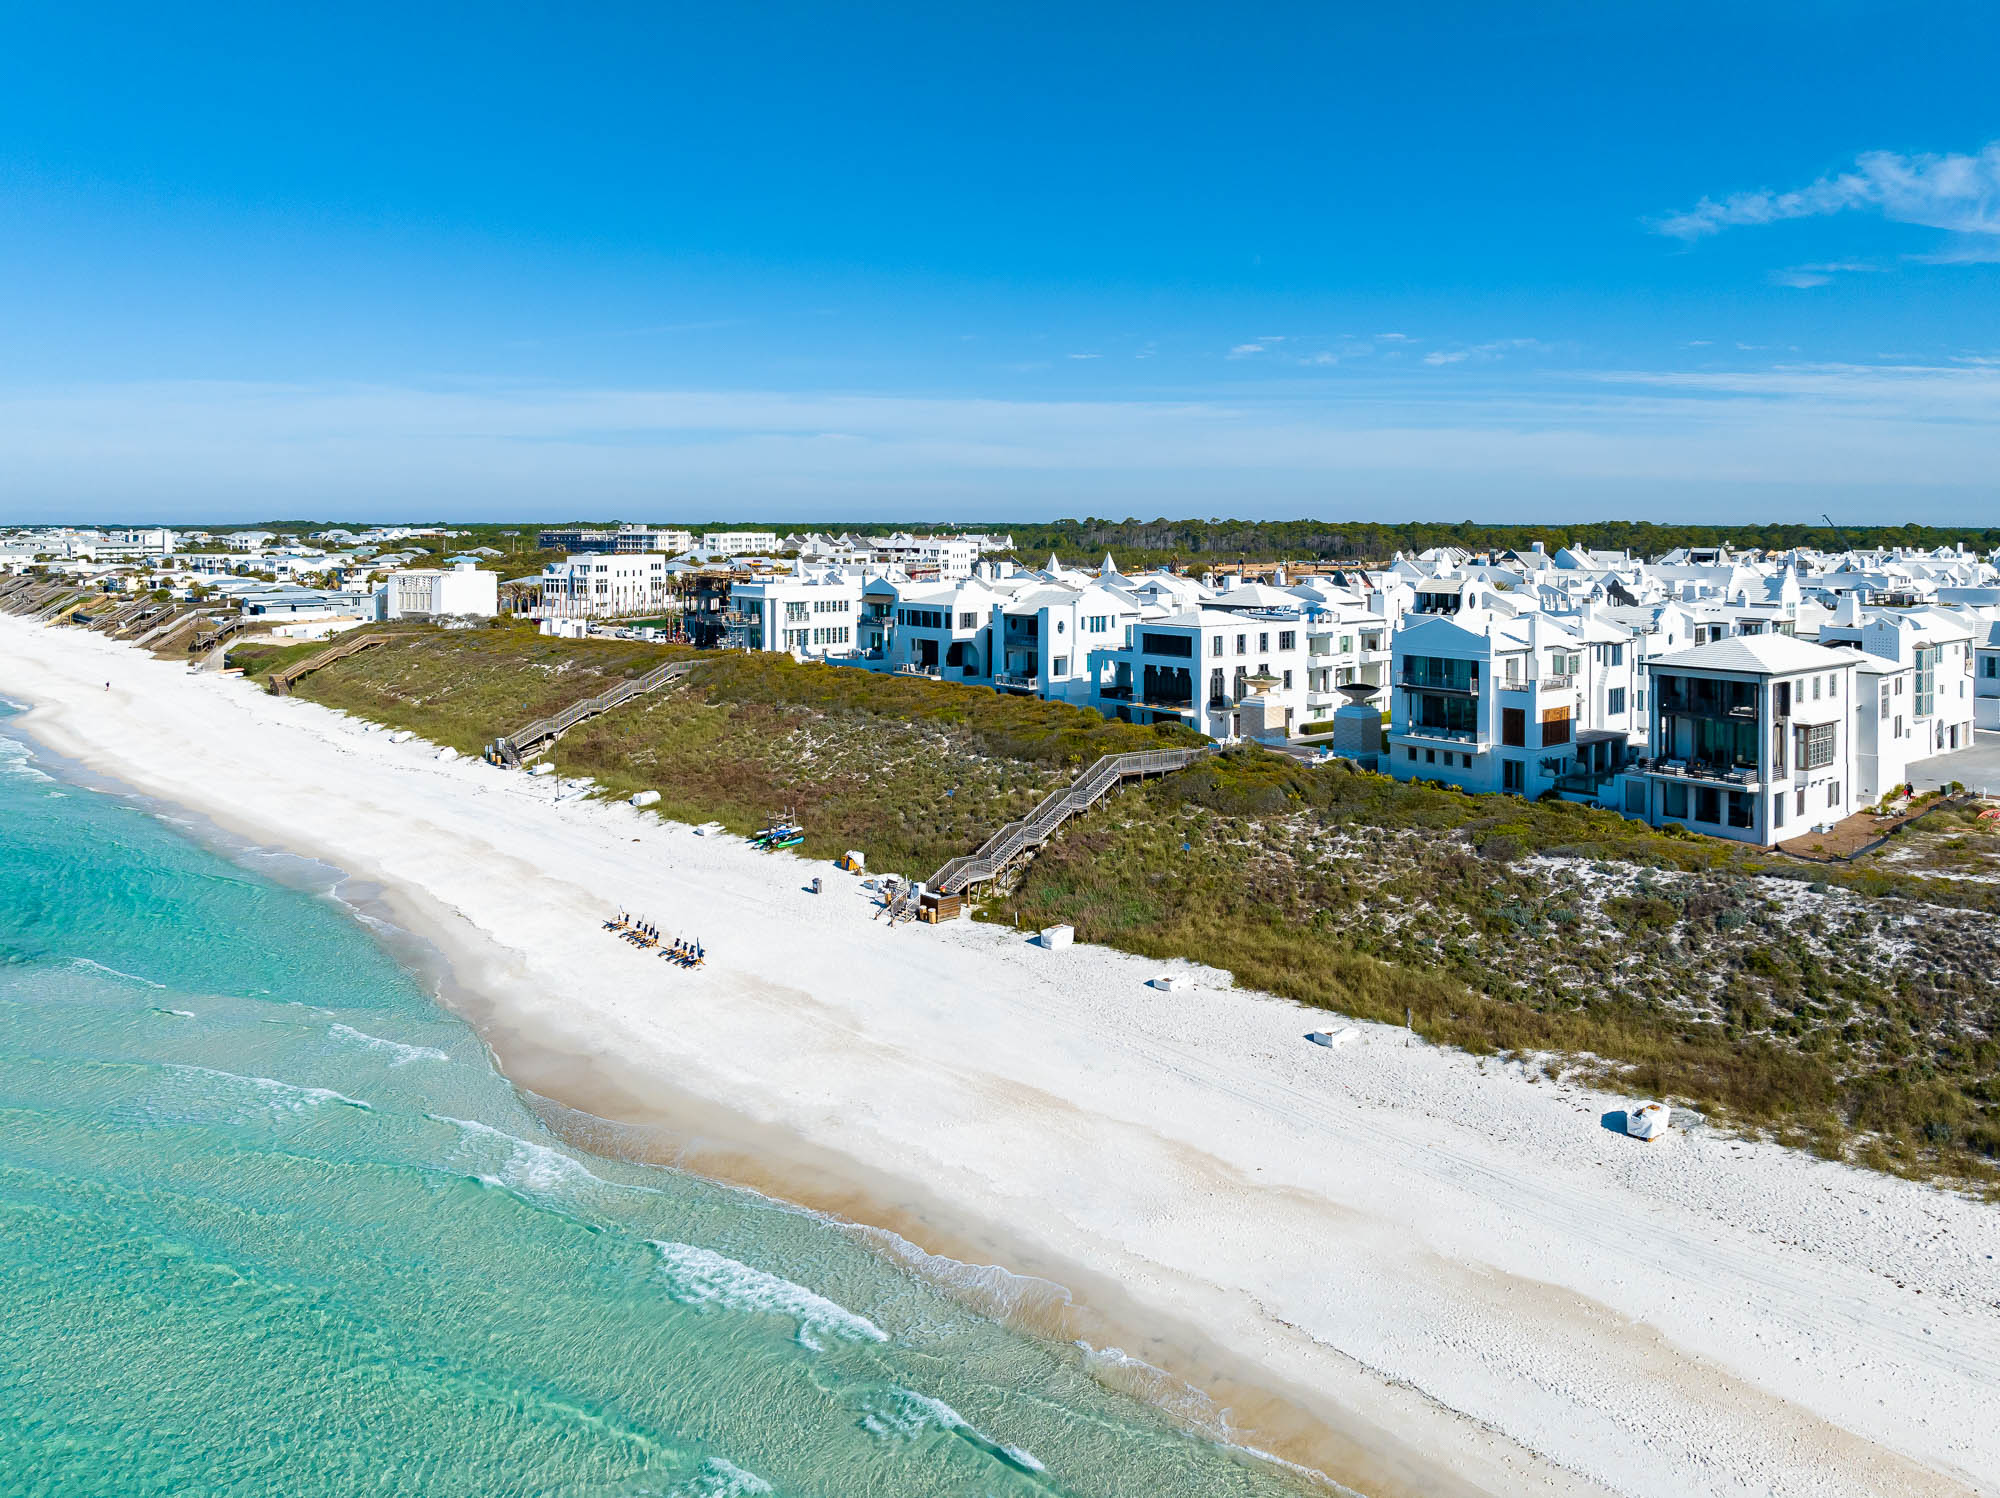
x: 1753, y: 739
x: 739, y: 543
x: 592, y: 587
x: 812, y: 614
x: 429, y: 593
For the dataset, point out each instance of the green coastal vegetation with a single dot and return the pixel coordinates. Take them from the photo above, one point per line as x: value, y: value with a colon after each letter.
x: 1849, y: 1008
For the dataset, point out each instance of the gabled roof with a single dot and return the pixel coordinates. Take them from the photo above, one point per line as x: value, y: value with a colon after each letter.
x: 1764, y: 655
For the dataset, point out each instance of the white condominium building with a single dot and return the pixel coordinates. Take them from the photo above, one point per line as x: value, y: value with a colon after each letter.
x: 593, y: 587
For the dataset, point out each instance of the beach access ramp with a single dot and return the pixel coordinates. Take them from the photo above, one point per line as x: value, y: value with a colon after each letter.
x: 524, y: 741
x: 1022, y: 838
x: 283, y: 681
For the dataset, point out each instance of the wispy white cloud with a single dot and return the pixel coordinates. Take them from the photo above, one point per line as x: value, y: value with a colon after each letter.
x: 1957, y: 193
x: 1245, y: 350
x: 1481, y: 352
x: 1805, y: 277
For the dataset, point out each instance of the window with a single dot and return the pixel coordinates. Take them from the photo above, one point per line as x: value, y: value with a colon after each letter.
x: 1514, y: 729
x: 1992, y: 664
x: 1430, y: 756
x: 1778, y: 811
x: 1555, y: 727
x: 1815, y: 682
x: 1465, y: 760
x: 1218, y: 645
x: 1263, y: 668
x: 1240, y: 648
x: 1347, y: 648
x: 1926, y: 687
x: 1513, y: 775
x: 1288, y: 639
x: 1215, y: 685
x: 1617, y: 655
x: 1263, y: 642
x: 1410, y: 754
x: 1060, y: 666
x: 1742, y: 809
x: 1674, y: 801
x: 1288, y: 681
x: 1833, y: 686
x: 1802, y: 800
x: 1614, y: 703
x: 1708, y: 804
x: 968, y: 621
x: 1833, y: 793
x: 1815, y: 746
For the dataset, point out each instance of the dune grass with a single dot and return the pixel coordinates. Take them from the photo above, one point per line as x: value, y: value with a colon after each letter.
x: 1850, y: 1008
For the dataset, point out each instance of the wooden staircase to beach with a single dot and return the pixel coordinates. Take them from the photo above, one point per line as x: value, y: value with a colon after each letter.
x: 284, y: 680
x: 1022, y: 838
x: 511, y: 750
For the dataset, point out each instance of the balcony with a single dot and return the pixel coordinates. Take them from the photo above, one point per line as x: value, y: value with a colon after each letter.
x: 1008, y: 681
x: 1458, y: 683
x: 911, y: 668
x: 1442, y: 735
x: 1741, y: 777
x: 1119, y: 693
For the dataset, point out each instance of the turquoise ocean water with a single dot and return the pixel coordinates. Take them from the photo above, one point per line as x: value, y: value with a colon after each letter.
x: 270, y: 1223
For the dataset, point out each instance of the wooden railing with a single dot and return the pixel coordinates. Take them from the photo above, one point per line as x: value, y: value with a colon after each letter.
x: 283, y: 681
x: 1038, y: 826
x: 511, y: 750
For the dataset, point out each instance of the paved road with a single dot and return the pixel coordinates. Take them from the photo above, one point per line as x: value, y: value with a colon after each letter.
x: 1978, y: 767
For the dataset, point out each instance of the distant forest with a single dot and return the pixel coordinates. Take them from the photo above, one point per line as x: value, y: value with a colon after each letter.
x: 1149, y: 543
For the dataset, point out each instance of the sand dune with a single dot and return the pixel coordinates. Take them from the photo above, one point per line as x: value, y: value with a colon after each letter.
x: 1410, y: 1269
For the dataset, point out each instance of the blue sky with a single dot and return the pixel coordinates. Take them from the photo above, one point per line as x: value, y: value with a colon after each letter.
x: 1496, y: 262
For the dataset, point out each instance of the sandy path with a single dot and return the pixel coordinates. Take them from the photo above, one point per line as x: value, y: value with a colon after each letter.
x: 1454, y: 1278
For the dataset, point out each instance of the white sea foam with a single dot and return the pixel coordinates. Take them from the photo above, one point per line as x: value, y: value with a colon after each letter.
x: 528, y: 1166
x: 177, y: 1013
x: 17, y: 759
x: 898, y: 1414
x: 113, y: 972
x: 720, y: 1478
x: 288, y: 1096
x: 988, y: 1289
x: 702, y: 1277
x: 398, y: 1053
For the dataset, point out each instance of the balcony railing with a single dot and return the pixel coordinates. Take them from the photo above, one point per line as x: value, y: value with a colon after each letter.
x: 1557, y: 681
x: 1121, y: 693
x: 1010, y: 679
x: 1740, y: 776
x: 1465, y: 683
x: 1449, y: 735
x: 911, y: 668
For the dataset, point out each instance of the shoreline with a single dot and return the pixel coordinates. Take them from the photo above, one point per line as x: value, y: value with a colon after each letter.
x: 1086, y: 1131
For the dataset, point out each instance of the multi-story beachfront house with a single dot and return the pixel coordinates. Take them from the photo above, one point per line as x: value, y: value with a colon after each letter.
x: 812, y: 614
x: 1488, y: 699
x: 1753, y: 739
x: 1916, y: 671
x: 601, y: 586
x: 461, y: 591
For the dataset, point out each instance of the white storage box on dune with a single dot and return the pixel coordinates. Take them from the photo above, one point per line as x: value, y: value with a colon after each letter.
x: 1333, y: 1039
x: 645, y: 798
x: 1649, y: 1121
x: 1055, y: 938
x: 1169, y: 982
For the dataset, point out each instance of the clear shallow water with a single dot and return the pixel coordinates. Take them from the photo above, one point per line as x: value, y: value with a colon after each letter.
x: 271, y: 1222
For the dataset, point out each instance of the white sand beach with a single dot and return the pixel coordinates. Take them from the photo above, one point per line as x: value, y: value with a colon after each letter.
x: 1414, y: 1271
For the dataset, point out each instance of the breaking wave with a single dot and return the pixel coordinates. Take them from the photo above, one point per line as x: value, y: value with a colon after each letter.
x: 892, y: 1413
x: 398, y: 1053
x: 720, y: 1478
x: 701, y: 1277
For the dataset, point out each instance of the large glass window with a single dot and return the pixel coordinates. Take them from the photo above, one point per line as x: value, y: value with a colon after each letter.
x: 1724, y: 744
x: 1450, y: 714
x: 1436, y: 671
x: 1555, y: 727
